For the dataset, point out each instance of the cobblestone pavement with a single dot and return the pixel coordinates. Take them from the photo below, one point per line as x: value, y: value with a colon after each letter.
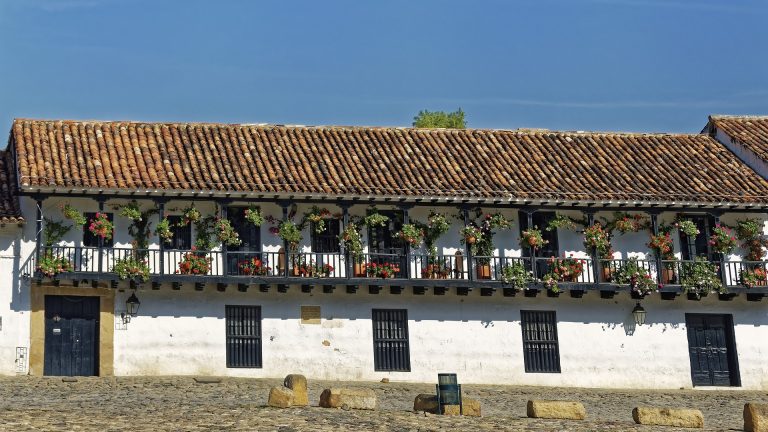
x: 181, y: 404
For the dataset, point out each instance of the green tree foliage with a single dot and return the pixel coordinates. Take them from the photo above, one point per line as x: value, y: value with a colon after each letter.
x: 440, y: 119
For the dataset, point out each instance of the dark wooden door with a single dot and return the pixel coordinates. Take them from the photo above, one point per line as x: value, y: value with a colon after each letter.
x: 712, y: 350
x: 385, y: 246
x: 71, y: 336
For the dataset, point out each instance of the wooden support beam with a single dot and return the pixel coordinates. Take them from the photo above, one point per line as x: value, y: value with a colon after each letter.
x: 282, y: 288
x: 419, y: 290
x: 374, y: 289
x: 221, y: 287
x: 351, y: 289
x: 306, y: 288
x: 263, y: 288
x: 242, y: 287
x: 328, y: 289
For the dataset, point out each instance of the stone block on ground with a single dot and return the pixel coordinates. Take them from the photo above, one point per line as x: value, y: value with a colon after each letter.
x: 471, y: 407
x: 678, y: 417
x: 554, y: 409
x: 351, y: 398
x: 297, y: 383
x: 425, y: 402
x: 755, y: 417
x: 280, y: 397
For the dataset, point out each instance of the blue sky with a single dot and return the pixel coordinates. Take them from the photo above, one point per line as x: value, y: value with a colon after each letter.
x: 624, y: 65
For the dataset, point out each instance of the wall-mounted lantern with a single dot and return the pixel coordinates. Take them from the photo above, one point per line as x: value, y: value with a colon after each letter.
x: 639, y: 314
x: 131, y: 308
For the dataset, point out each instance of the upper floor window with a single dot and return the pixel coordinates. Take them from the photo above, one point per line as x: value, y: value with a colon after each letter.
x: 697, y: 246
x: 540, y: 221
x: 91, y: 240
x: 182, y: 234
x: 326, y: 241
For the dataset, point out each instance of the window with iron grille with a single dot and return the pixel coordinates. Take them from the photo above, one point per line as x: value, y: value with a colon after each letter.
x: 182, y: 234
x: 328, y: 240
x: 92, y: 240
x: 243, y: 336
x: 390, y: 340
x: 540, y: 348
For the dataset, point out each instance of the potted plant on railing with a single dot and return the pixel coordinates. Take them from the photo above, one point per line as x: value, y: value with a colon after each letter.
x: 411, y: 234
x: 753, y: 277
x: 352, y: 242
x: 254, y: 267
x: 516, y: 275
x: 700, y: 277
x: 383, y: 270
x: 637, y: 277
x: 313, y: 269
x: 722, y: 240
x: 435, y: 271
x: 750, y: 232
x: 562, y: 270
x: 597, y: 241
x: 661, y: 245
x: 482, y: 248
x: 194, y: 263
x: 50, y: 266
x: 134, y: 269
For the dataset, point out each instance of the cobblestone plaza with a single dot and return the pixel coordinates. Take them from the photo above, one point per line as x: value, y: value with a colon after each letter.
x: 182, y: 404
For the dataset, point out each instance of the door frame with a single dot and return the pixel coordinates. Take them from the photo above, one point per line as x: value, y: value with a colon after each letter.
x: 37, y: 324
x: 730, y: 341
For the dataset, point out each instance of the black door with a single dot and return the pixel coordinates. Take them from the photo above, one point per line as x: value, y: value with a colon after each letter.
x: 385, y: 246
x: 551, y: 249
x: 250, y: 237
x: 712, y: 350
x: 71, y: 336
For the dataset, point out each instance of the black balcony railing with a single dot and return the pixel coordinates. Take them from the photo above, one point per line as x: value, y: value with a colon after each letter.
x: 89, y: 261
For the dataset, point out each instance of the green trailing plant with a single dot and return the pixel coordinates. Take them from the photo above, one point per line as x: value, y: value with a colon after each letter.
x: 190, y: 215
x: 225, y: 233
x: 352, y: 241
x: 626, y: 223
x: 636, y: 276
x: 687, y: 227
x: 750, y: 232
x: 253, y: 215
x: 163, y: 230
x: 486, y: 225
x: 700, y: 277
x: 53, y: 232
x: 470, y: 234
x: 74, y: 215
x: 289, y: 232
x: 516, y: 275
x: 317, y: 217
x: 437, y: 225
x: 564, y: 222
x: 132, y: 268
x: 375, y: 219
x: 411, y: 234
x: 532, y: 238
x: 141, y: 227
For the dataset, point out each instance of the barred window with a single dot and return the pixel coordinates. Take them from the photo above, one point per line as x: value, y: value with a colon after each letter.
x: 243, y: 336
x: 390, y: 340
x: 540, y: 347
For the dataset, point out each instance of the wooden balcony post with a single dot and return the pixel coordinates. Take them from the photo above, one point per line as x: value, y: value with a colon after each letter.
x: 224, y: 249
x: 596, y: 265
x: 407, y: 246
x: 467, y: 247
x: 285, y: 205
x: 531, y: 250
x: 655, y: 229
x: 348, y: 265
x: 101, y: 200
x: 160, y: 215
x: 38, y: 229
x: 721, y: 256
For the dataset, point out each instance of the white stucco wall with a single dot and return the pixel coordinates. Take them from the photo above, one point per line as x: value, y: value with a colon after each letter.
x: 477, y: 337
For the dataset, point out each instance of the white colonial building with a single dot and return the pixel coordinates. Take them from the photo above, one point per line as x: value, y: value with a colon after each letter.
x: 364, y: 253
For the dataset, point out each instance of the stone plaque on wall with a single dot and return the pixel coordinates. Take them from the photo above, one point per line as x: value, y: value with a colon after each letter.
x: 310, y: 314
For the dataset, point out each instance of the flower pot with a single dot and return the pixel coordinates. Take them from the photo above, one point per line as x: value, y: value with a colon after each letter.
x: 483, y: 271
x: 359, y: 269
x: 668, y: 276
x: 295, y: 271
x: 471, y: 239
x: 607, y: 274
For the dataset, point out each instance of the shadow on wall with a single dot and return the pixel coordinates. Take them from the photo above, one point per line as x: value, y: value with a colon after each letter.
x: 18, y: 285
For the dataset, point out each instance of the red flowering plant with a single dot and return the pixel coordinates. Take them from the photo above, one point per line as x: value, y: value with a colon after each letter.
x: 661, y: 245
x: 101, y: 226
x: 624, y: 222
x: 598, y: 241
x: 50, y: 265
x: 753, y: 277
x: 750, y: 232
x: 254, y: 267
x: 411, y: 234
x: 194, y: 263
x: 383, y: 270
x: 313, y: 269
x: 532, y: 238
x: 722, y: 239
x: 562, y: 270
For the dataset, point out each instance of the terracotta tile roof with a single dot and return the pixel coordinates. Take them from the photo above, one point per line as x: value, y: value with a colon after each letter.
x: 751, y: 131
x: 9, y: 201
x: 378, y: 162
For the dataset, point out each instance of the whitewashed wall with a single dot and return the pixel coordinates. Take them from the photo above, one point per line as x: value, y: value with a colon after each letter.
x: 477, y: 337
x: 14, y: 303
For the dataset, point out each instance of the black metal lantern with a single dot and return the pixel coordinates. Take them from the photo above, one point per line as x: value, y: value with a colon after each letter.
x: 639, y: 313
x: 132, y: 305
